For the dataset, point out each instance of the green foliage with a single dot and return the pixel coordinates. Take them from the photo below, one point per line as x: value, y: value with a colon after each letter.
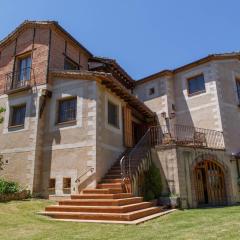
x: 1, y: 111
x: 8, y: 187
x: 152, y: 183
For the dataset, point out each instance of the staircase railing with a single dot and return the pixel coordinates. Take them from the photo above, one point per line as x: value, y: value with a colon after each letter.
x: 138, y: 160
x: 135, y: 163
x: 84, y: 172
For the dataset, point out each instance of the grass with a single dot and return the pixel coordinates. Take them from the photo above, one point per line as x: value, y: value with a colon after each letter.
x: 18, y: 220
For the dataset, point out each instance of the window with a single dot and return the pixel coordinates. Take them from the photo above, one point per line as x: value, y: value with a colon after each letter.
x: 196, y: 84
x: 52, y: 183
x: 18, y: 115
x: 238, y: 90
x: 113, y: 114
x: 24, y: 68
x: 66, y: 183
x: 152, y: 91
x: 70, y: 64
x: 67, y: 110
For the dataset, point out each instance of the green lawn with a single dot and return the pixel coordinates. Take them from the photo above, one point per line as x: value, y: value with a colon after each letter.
x: 18, y: 220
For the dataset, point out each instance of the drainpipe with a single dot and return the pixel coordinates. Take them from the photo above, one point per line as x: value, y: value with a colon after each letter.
x: 238, y: 167
x: 236, y: 158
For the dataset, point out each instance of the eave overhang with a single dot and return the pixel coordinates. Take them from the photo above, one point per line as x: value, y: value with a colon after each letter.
x: 111, y: 83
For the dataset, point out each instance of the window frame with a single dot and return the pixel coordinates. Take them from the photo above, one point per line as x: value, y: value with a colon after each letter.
x: 199, y: 91
x: 151, y: 91
x: 50, y: 185
x: 18, y: 69
x: 69, y: 60
x: 117, y: 126
x: 67, y: 180
x: 238, y: 90
x: 59, y: 101
x: 12, y: 108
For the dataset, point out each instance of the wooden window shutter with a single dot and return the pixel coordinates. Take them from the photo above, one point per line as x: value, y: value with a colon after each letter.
x: 128, y: 135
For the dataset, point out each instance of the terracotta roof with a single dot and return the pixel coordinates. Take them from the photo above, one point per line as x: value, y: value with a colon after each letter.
x: 113, y: 62
x: 209, y: 58
x: 110, y: 82
x: 54, y: 24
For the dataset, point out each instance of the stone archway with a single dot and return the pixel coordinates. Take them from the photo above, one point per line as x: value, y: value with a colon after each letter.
x: 209, y: 183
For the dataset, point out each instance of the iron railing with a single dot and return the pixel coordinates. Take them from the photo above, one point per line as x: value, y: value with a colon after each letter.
x: 17, y: 79
x: 135, y: 163
x: 187, y: 136
x: 84, y: 172
x: 138, y: 160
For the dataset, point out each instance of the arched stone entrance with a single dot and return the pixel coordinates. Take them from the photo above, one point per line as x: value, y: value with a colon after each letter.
x: 209, y: 181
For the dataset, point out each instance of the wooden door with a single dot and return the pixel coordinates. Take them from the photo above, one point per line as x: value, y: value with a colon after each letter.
x: 128, y: 132
x: 210, y: 184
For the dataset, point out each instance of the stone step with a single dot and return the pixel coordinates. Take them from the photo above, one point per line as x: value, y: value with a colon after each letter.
x: 109, y: 185
x: 101, y: 196
x: 112, y: 180
x: 130, y: 216
x: 114, y: 170
x: 102, y: 209
x: 101, y: 202
x: 102, y: 191
x: 112, y: 176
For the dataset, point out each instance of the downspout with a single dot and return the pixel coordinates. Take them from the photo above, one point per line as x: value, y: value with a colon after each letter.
x: 238, y: 167
x: 49, y: 50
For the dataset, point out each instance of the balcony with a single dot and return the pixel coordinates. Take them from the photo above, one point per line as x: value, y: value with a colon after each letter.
x: 17, y: 81
x: 187, y: 136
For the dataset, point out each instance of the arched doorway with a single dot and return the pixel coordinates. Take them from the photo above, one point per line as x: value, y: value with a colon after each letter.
x: 210, y: 183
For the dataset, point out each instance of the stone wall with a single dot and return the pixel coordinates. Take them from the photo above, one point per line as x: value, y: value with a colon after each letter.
x: 109, y: 139
x: 19, y: 145
x: 227, y: 73
x: 176, y: 166
x: 69, y: 149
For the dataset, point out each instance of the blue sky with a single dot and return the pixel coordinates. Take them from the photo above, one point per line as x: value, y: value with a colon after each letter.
x: 145, y: 36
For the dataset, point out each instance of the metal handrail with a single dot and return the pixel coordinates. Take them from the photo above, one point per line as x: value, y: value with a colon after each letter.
x: 187, y: 136
x: 18, y: 79
x: 84, y: 172
x: 132, y: 161
x: 138, y: 160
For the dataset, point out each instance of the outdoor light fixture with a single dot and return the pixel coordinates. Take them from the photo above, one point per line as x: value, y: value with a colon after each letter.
x: 164, y: 115
x: 172, y: 115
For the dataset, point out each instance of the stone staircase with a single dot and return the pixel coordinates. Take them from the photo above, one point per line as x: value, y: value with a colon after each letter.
x: 107, y: 202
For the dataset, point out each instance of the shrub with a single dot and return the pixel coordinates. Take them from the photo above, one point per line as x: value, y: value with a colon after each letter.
x: 152, y: 183
x: 8, y: 187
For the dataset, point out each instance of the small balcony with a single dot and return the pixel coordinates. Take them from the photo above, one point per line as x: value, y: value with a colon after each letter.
x: 18, y: 81
x: 187, y: 136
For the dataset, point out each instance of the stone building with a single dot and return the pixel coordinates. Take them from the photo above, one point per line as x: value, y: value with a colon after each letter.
x: 71, y: 115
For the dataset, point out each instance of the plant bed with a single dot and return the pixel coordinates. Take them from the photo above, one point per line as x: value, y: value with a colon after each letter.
x: 24, y: 194
x: 11, y: 191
